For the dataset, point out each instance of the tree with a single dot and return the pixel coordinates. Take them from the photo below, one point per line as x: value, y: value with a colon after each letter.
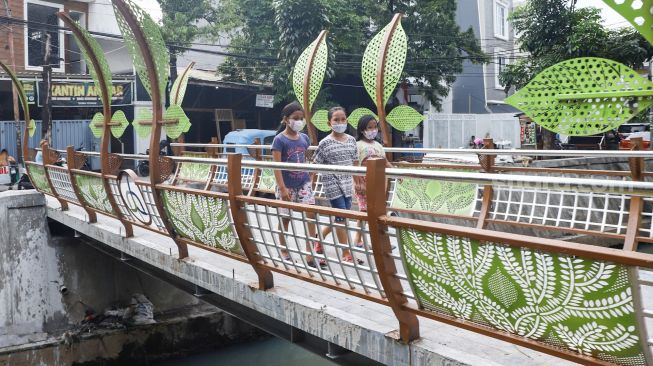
x: 552, y: 31
x: 272, y: 33
x: 185, y: 22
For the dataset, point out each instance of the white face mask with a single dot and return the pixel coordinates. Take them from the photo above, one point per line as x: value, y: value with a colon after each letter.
x: 297, y: 124
x: 339, y: 128
x: 371, y: 135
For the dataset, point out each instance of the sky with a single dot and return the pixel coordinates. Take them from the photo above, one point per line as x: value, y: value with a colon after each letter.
x: 612, y: 19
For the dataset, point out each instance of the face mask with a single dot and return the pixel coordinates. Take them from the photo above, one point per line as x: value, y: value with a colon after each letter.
x: 371, y: 135
x: 297, y: 124
x: 339, y: 128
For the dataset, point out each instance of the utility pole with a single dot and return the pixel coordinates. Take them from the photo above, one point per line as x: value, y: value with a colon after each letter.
x: 46, y: 124
x: 14, y: 91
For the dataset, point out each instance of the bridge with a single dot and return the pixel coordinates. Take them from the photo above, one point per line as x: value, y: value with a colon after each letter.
x: 472, y: 263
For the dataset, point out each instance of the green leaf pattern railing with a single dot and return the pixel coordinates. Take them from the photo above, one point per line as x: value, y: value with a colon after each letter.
x: 202, y: 219
x: 37, y: 176
x: 93, y: 193
x: 580, y: 304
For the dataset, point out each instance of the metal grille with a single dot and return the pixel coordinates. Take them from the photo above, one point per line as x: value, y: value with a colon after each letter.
x: 62, y: 185
x: 563, y: 209
x: 318, y: 187
x: 148, y: 197
x: 646, y: 228
x: 360, y: 274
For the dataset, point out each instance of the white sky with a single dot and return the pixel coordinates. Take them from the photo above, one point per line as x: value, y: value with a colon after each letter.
x: 611, y: 18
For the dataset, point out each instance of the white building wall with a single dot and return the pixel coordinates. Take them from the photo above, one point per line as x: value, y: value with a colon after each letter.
x: 452, y: 131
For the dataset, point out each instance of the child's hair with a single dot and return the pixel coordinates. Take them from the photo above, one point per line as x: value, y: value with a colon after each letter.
x: 288, y: 110
x: 333, y: 110
x: 362, y: 125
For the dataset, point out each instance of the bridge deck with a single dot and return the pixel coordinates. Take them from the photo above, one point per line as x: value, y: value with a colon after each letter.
x: 358, y: 325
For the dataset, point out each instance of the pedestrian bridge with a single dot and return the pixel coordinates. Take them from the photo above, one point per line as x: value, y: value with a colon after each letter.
x: 468, y: 263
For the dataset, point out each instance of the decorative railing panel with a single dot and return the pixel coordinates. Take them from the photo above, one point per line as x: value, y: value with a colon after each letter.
x: 570, y: 302
x: 203, y: 218
x: 60, y: 179
x: 91, y: 188
x: 38, y: 177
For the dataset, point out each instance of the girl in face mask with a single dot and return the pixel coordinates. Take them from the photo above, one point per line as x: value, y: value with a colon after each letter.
x: 338, y: 148
x: 289, y: 146
x: 368, y: 147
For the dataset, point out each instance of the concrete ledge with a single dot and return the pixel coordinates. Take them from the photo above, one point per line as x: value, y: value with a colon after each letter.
x: 347, y: 321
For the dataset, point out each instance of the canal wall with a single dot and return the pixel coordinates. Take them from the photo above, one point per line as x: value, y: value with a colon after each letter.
x: 50, y: 280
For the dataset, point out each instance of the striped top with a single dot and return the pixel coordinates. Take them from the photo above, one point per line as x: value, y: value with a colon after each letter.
x: 333, y: 152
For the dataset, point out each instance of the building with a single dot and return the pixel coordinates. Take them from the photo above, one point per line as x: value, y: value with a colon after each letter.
x: 478, y: 89
x: 209, y: 101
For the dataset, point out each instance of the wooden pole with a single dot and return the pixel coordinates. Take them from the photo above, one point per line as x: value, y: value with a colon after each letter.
x: 382, y: 250
x: 157, y: 110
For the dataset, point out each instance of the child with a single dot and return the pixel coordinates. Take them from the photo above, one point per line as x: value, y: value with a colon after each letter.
x: 289, y: 146
x: 368, y: 147
x: 338, y: 148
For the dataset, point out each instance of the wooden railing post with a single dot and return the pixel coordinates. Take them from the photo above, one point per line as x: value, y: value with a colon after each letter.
x: 239, y: 215
x: 48, y: 159
x: 382, y: 250
x: 487, y: 164
x: 74, y: 164
x: 636, y: 202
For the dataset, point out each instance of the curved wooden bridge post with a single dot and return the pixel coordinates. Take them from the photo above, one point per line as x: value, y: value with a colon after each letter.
x: 239, y: 215
x: 382, y: 250
x: 487, y: 163
x: 157, y: 121
x: 637, y: 167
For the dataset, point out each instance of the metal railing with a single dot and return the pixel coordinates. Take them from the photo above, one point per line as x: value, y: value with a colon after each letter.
x: 408, y: 260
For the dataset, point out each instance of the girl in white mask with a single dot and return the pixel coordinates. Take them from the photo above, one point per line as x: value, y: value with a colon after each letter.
x: 368, y: 147
x: 338, y: 148
x: 290, y: 146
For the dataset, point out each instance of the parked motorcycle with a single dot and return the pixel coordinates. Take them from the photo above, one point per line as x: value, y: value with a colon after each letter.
x: 143, y: 166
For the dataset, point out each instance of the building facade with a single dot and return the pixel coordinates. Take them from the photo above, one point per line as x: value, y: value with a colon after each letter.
x: 478, y: 89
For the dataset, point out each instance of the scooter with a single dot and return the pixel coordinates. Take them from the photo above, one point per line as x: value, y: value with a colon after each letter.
x: 143, y: 166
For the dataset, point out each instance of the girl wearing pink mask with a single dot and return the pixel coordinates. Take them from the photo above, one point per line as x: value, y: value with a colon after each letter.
x: 368, y: 147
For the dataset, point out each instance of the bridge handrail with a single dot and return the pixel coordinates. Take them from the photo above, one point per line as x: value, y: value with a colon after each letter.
x: 520, y: 181
x: 512, y: 152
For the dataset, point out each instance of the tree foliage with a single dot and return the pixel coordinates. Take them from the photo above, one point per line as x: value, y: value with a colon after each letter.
x: 552, y: 31
x: 271, y: 34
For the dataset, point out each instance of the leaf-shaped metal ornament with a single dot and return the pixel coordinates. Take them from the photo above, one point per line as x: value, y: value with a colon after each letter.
x: 152, y: 35
x: 176, y: 121
x: 31, y: 128
x: 404, y: 118
x: 178, y: 90
x: 309, y: 71
x: 584, y: 96
x: 119, y: 124
x: 383, y: 61
x: 638, y: 12
x: 97, y: 125
x: 143, y: 122
x: 321, y: 121
x: 356, y: 115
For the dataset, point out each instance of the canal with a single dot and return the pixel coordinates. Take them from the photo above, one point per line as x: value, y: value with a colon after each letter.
x: 266, y: 352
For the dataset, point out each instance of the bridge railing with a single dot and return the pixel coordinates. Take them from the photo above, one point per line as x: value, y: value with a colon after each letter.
x: 577, y: 301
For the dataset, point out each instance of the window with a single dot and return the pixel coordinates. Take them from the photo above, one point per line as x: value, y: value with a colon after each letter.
x: 75, y: 63
x: 500, y: 20
x: 36, y: 35
x: 501, y: 58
